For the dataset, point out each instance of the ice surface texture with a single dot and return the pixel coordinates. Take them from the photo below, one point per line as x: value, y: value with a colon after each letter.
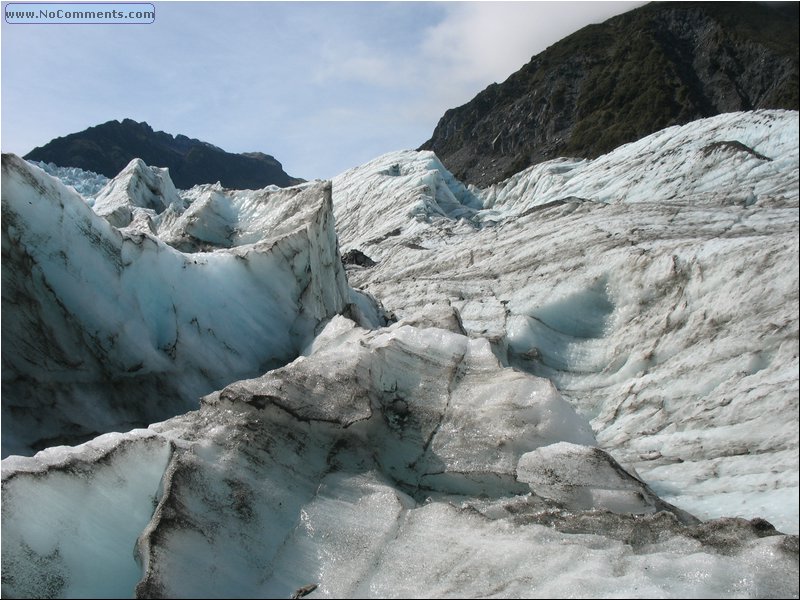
x: 656, y: 286
x: 401, y: 462
x: 576, y: 347
x: 107, y: 328
x: 86, y: 183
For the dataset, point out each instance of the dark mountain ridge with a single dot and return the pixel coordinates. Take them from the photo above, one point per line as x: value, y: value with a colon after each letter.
x: 109, y: 147
x: 660, y: 65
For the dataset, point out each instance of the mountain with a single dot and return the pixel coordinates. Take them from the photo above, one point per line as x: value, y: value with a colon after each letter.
x: 608, y: 84
x: 588, y: 386
x: 108, y: 148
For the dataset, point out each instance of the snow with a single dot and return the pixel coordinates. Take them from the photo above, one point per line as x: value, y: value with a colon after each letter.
x: 535, y: 391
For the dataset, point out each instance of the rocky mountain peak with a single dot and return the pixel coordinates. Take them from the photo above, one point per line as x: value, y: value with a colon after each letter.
x: 107, y: 148
x: 612, y: 83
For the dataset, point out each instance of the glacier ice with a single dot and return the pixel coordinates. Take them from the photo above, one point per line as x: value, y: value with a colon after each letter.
x: 656, y: 286
x: 107, y: 328
x: 385, y: 463
x: 137, y: 186
x: 532, y: 390
x: 77, y: 515
x: 86, y: 183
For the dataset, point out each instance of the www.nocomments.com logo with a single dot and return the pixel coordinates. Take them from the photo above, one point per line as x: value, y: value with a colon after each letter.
x: 80, y: 13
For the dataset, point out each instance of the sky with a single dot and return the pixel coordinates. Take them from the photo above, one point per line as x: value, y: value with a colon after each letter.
x: 321, y: 86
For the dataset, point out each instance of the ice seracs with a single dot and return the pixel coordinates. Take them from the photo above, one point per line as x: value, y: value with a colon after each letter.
x: 220, y: 218
x: 137, y: 187
x: 106, y: 328
x: 86, y: 183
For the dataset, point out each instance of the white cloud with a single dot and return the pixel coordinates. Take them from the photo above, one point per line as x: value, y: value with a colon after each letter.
x: 488, y: 41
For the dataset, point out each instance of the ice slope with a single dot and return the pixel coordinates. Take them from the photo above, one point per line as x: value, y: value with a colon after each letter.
x: 425, y: 458
x: 730, y: 158
x: 656, y: 286
x: 400, y: 462
x: 105, y: 329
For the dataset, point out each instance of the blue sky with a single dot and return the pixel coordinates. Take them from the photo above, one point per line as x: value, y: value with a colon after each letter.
x: 322, y: 86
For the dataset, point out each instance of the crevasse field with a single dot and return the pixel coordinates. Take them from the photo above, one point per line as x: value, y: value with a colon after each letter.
x: 580, y: 382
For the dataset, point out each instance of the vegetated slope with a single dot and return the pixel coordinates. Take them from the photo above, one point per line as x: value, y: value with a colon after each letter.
x: 109, y: 147
x: 609, y: 84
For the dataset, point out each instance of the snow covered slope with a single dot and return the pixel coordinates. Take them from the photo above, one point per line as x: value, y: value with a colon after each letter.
x: 105, y: 329
x: 656, y: 286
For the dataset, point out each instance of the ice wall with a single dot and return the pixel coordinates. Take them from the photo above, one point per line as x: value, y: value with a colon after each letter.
x: 105, y: 329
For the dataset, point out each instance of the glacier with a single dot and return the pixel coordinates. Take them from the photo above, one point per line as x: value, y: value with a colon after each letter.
x: 580, y: 382
x: 656, y: 286
x: 86, y: 183
x: 107, y: 328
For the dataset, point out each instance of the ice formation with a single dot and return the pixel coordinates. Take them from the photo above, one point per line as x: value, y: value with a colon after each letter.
x: 107, y: 328
x: 585, y: 358
x: 86, y: 183
x: 656, y: 286
x: 400, y: 462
